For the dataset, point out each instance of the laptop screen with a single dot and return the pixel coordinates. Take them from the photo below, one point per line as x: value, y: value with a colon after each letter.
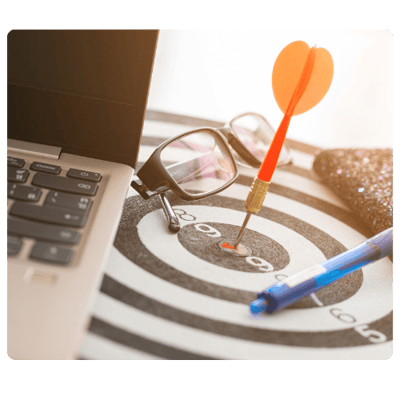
x: 84, y: 91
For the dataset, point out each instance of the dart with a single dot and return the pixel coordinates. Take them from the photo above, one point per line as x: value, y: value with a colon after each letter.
x: 300, y: 79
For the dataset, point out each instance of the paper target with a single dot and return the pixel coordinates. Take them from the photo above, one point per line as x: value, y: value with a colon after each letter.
x: 179, y: 296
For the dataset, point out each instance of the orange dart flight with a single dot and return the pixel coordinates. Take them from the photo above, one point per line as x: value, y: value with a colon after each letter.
x: 300, y: 79
x: 288, y: 70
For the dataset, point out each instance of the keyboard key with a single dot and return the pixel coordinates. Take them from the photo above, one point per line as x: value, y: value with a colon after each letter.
x: 13, y: 245
x: 60, y: 199
x: 52, y: 215
x: 15, y: 162
x: 51, y: 253
x: 17, y: 175
x: 86, y: 175
x: 63, y: 184
x: 51, y: 169
x: 20, y: 192
x: 40, y: 231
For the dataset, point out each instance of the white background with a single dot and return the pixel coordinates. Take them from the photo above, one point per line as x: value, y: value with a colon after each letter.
x: 218, y: 74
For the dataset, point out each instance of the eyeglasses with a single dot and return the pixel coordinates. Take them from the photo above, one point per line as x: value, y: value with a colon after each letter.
x: 200, y: 163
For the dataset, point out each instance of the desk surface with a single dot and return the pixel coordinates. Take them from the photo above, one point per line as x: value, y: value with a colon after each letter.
x: 165, y: 297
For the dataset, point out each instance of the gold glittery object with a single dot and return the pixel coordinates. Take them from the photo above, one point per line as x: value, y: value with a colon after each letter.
x: 363, y: 178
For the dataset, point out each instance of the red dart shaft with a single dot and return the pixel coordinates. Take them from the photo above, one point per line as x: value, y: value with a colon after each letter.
x: 271, y: 159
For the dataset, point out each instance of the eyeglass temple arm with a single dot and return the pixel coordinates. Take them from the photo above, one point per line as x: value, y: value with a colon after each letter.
x: 173, y: 221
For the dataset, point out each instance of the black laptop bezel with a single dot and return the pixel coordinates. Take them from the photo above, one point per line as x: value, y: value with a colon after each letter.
x: 49, y: 115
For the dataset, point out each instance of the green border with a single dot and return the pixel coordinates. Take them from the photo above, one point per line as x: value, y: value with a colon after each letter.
x: 183, y: 380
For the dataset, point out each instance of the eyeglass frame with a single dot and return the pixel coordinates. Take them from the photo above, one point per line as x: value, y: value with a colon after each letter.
x: 159, y: 180
x: 153, y: 168
x: 228, y: 133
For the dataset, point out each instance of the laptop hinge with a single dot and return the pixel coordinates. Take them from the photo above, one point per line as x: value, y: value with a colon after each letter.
x: 34, y: 149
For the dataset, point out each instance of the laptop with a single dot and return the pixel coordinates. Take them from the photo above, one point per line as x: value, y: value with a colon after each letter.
x: 76, y: 107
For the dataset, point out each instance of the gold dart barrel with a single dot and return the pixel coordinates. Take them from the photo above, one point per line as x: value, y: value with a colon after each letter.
x: 256, y: 196
x: 254, y: 202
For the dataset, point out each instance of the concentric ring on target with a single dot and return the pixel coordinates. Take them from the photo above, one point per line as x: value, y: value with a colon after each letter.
x: 130, y: 244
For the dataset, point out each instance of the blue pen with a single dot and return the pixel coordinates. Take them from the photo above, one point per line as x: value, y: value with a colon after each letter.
x: 302, y: 284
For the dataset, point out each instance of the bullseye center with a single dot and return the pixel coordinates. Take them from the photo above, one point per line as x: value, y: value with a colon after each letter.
x: 240, y: 250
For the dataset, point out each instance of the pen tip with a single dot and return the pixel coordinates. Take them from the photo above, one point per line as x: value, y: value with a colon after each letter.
x: 258, y: 306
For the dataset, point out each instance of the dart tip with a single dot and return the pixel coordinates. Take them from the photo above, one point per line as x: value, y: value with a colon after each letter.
x: 242, y: 229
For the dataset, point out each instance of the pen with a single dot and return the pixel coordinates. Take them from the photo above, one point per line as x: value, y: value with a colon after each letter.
x: 295, y: 287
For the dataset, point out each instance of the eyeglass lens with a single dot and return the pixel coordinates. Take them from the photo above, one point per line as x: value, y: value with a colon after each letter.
x: 256, y: 134
x: 198, y: 162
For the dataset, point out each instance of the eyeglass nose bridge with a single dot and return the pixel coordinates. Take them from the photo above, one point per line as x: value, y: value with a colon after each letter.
x: 238, y: 146
x: 225, y: 130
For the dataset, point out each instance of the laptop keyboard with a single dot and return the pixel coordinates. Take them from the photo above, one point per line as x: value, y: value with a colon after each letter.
x: 56, y: 224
